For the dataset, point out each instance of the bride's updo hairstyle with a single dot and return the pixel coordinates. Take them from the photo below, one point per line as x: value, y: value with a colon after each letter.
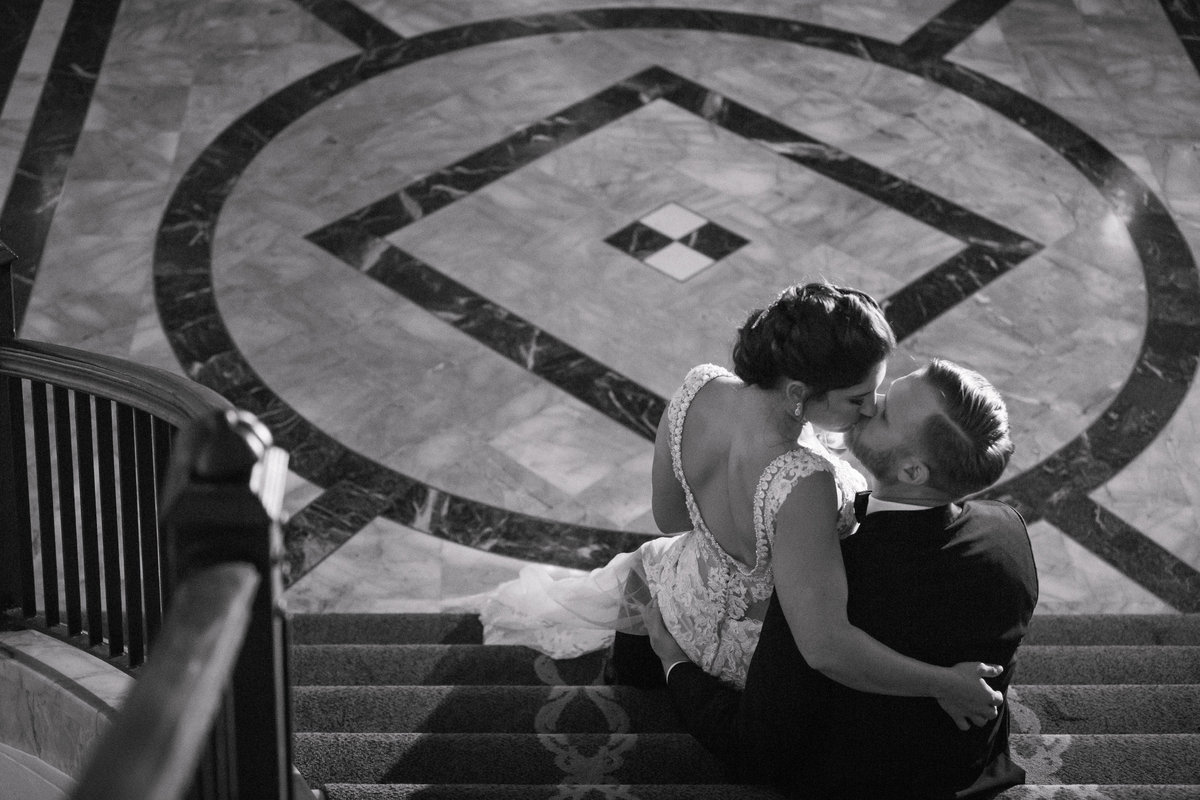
x: 826, y: 336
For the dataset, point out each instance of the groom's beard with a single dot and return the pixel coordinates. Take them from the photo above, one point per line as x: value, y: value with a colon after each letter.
x: 880, y: 463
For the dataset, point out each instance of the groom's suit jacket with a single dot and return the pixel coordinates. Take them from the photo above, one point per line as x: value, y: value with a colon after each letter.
x: 942, y: 585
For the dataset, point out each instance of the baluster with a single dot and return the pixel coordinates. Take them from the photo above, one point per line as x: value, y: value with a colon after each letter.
x: 109, y: 531
x: 66, y: 499
x: 224, y: 750
x: 163, y: 433
x: 43, y: 471
x: 8, y: 297
x: 214, y: 777
x: 130, y: 535
x: 147, y: 482
x: 16, y: 574
x: 89, y: 517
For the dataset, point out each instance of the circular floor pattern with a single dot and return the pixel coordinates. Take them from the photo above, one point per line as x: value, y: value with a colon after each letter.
x: 1055, y: 490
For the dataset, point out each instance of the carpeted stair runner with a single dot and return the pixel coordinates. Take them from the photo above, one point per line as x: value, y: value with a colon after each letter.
x: 392, y: 707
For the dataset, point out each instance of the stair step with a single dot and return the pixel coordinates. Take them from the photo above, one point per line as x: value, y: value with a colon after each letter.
x: 476, y: 791
x: 1108, y: 758
x: 455, y: 628
x: 504, y: 758
x: 1173, y: 708
x: 482, y: 709
x: 1087, y: 791
x: 433, y: 664
x: 1105, y: 629
x: 386, y: 629
x: 436, y: 664
x: 1111, y: 664
x: 602, y: 709
x: 678, y: 758
x: 550, y: 791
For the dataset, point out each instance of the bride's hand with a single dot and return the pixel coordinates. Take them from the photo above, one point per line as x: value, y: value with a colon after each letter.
x: 966, y: 696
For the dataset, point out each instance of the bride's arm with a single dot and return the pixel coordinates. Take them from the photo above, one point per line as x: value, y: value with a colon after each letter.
x: 667, y: 500
x: 810, y: 580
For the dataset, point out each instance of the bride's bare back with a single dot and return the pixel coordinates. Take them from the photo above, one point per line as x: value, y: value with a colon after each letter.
x: 726, y: 445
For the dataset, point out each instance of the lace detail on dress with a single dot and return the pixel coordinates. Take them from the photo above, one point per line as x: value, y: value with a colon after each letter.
x: 782, y: 474
x: 677, y: 410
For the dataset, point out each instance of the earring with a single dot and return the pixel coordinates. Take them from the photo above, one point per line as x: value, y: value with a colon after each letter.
x: 798, y: 413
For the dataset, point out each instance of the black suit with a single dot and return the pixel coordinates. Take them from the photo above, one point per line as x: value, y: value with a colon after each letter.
x: 943, y: 585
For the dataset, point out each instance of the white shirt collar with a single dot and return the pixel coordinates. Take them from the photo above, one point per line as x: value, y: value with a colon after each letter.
x: 875, y: 504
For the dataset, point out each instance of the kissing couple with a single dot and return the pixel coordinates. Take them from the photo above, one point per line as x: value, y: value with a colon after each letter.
x: 827, y: 641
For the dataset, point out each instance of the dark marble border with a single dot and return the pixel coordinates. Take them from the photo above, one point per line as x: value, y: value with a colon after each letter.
x: 1055, y: 490
x: 1185, y: 19
x: 954, y: 25
x: 17, y: 18
x: 351, y: 22
x: 57, y: 123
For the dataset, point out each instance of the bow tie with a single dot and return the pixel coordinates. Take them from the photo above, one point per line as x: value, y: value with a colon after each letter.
x: 860, y: 505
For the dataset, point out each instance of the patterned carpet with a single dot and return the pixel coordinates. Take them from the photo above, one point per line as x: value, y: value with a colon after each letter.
x: 400, y: 706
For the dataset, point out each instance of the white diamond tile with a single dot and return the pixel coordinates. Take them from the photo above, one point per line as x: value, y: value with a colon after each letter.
x: 673, y: 220
x: 679, y: 261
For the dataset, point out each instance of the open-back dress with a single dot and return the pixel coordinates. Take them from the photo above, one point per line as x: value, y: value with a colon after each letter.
x: 703, y: 593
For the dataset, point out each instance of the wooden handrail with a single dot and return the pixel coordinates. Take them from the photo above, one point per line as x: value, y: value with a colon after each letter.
x: 155, y: 742
x: 172, y: 398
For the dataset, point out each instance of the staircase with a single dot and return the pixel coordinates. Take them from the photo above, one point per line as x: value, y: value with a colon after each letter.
x: 392, y: 707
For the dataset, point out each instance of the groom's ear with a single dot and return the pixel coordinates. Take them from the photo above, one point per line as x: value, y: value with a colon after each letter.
x: 913, y: 471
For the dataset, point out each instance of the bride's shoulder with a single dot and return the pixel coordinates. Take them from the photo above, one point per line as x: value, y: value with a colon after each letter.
x: 795, y: 465
x: 703, y: 373
x: 702, y: 376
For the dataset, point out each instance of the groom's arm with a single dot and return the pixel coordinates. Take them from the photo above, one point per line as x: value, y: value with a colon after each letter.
x: 707, y: 707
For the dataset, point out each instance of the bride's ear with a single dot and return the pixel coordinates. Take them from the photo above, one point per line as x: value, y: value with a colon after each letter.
x: 797, y: 392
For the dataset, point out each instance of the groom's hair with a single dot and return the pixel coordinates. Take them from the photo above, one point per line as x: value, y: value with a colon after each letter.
x: 967, y: 446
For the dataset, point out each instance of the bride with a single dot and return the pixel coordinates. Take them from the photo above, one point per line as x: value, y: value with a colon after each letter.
x: 729, y: 450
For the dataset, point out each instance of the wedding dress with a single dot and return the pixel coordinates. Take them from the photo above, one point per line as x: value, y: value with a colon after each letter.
x: 702, y: 592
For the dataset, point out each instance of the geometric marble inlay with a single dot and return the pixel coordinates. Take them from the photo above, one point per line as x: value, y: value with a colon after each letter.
x: 676, y: 241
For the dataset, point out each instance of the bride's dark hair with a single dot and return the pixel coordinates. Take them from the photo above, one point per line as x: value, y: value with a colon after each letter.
x: 825, y: 336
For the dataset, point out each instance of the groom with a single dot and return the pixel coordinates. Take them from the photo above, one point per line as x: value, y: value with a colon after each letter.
x: 937, y: 580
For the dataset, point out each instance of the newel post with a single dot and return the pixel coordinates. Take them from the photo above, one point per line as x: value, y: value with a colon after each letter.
x: 226, y: 508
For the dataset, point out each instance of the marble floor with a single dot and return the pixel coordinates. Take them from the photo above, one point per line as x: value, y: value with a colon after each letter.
x: 456, y: 253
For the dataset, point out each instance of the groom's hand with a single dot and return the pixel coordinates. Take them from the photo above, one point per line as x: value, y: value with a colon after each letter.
x: 665, y: 647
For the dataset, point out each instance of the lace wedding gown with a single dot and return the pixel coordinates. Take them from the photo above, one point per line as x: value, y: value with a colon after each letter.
x: 703, y: 593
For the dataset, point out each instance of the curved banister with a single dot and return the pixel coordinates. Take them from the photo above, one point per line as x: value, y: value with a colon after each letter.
x: 172, y: 398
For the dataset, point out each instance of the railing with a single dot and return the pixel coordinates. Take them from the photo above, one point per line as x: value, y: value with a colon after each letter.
x: 90, y: 439
x: 88, y: 446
